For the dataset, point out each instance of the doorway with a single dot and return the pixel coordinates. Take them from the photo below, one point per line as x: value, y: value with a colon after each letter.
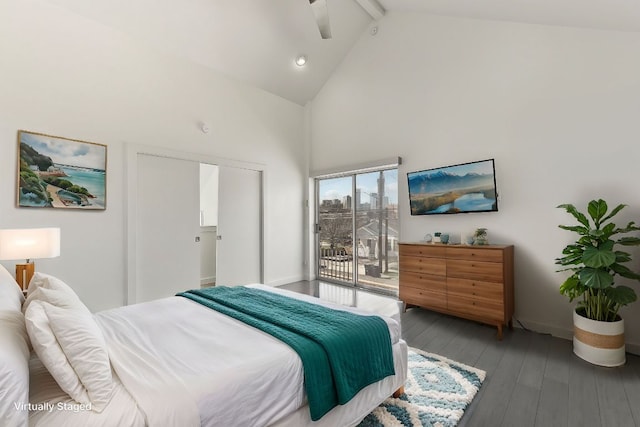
x: 209, y: 183
x: 357, y: 229
x: 167, y: 224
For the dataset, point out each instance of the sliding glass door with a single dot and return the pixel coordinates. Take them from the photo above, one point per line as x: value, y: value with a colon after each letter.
x: 357, y: 229
x: 335, y: 228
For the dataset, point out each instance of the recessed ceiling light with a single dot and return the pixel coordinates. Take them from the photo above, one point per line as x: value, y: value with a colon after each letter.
x: 301, y: 60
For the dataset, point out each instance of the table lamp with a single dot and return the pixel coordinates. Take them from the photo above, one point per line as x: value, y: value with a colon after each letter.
x: 28, y: 244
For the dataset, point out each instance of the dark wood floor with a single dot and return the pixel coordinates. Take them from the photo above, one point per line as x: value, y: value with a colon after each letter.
x: 532, y: 379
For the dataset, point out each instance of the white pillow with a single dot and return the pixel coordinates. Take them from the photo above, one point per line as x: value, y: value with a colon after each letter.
x: 83, y: 344
x: 59, y: 297
x: 50, y: 353
x: 10, y: 293
x: 47, y: 281
x: 14, y: 369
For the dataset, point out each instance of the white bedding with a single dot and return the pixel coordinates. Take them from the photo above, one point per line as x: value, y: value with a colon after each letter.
x: 187, y: 365
x: 122, y: 410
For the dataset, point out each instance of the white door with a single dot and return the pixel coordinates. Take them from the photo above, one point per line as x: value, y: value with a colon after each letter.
x: 239, y: 251
x: 167, y: 225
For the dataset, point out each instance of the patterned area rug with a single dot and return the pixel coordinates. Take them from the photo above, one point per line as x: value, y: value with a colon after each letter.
x: 437, y: 392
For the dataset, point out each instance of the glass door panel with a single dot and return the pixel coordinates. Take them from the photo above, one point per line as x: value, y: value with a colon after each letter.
x: 335, y: 229
x: 377, y: 229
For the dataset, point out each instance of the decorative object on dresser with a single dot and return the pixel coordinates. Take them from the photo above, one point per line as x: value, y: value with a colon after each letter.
x: 598, y: 329
x: 28, y: 244
x: 473, y: 282
x: 480, y: 237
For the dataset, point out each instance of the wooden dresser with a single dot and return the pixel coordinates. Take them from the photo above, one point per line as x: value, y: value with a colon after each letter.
x: 474, y: 282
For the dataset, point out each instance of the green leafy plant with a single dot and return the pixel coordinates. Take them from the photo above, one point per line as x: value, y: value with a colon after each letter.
x: 595, y: 262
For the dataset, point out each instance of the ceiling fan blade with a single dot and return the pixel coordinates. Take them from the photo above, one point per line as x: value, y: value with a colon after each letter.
x: 321, y: 13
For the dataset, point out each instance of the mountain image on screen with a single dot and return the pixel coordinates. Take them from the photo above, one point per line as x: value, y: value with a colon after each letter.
x: 468, y: 187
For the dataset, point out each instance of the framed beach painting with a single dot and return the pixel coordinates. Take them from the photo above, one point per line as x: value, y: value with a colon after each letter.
x: 57, y: 172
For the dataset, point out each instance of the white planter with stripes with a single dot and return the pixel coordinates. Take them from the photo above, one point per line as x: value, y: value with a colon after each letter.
x: 600, y: 343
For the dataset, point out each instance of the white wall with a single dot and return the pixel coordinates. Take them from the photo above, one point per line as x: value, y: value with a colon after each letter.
x: 556, y: 107
x: 65, y: 75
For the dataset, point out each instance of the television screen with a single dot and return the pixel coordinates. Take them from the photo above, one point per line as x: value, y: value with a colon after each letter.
x: 468, y: 187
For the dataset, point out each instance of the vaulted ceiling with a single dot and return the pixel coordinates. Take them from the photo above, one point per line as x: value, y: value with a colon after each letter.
x: 256, y: 41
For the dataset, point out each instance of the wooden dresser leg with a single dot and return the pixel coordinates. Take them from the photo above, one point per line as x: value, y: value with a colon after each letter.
x: 398, y: 392
x: 500, y: 332
x: 511, y: 324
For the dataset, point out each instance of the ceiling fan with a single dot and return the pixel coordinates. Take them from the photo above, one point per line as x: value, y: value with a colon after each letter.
x: 321, y: 13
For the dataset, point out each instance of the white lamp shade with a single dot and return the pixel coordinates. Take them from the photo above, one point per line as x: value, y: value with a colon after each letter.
x: 29, y: 243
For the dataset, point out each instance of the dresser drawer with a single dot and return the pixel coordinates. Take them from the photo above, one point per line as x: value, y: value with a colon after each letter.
x: 475, y: 270
x: 434, y: 266
x: 424, y: 297
x: 476, y: 289
x: 423, y: 250
x: 423, y: 281
x: 476, y: 308
x: 475, y: 254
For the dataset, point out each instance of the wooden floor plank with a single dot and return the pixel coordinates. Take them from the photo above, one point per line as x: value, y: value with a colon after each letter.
x: 523, y: 404
x: 614, y: 406
x: 437, y: 338
x: 631, y: 382
x: 583, y: 407
x: 466, y: 347
x: 557, y: 367
x: 432, y: 334
x: 532, y: 371
x: 499, y: 385
x: 552, y: 406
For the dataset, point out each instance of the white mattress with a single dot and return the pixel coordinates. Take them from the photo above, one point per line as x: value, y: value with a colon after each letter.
x: 183, y: 364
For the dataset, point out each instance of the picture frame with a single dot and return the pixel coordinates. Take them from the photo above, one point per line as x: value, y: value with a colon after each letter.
x: 60, y: 173
x: 462, y: 188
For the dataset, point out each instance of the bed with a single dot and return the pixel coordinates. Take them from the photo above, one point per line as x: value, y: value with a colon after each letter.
x: 169, y: 362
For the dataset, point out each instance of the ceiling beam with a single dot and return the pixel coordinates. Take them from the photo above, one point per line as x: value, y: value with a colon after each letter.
x: 373, y: 8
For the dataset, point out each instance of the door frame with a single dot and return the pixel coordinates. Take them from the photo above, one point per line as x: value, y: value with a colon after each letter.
x: 352, y: 172
x: 131, y: 179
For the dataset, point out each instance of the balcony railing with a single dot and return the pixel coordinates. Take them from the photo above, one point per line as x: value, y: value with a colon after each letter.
x: 337, y: 264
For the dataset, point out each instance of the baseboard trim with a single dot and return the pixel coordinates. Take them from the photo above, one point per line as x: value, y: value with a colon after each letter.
x: 286, y: 280
x: 207, y: 280
x: 633, y: 348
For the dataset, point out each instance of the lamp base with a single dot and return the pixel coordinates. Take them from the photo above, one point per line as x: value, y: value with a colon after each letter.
x: 24, y: 273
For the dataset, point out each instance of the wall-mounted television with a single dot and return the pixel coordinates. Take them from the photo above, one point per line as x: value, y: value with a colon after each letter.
x: 463, y: 188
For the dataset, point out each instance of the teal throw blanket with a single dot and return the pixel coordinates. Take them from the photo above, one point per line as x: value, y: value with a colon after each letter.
x: 341, y: 352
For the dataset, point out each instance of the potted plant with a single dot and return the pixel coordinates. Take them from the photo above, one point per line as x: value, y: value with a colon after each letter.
x: 480, y: 237
x: 595, y: 261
